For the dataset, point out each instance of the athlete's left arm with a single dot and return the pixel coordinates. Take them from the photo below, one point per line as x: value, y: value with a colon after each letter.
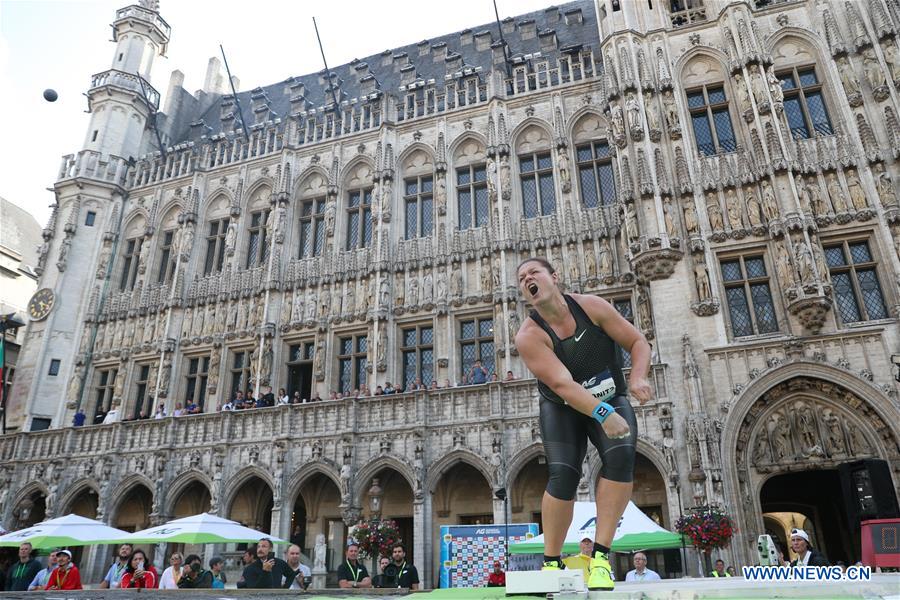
x: 628, y: 337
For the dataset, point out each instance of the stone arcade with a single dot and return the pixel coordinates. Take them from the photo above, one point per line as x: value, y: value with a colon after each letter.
x: 725, y: 174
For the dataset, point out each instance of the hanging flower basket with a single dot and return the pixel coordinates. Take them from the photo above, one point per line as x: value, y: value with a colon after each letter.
x: 707, y: 528
x: 375, y: 537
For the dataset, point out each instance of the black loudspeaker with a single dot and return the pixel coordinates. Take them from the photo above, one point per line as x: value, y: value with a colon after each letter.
x: 868, y: 491
x: 672, y: 560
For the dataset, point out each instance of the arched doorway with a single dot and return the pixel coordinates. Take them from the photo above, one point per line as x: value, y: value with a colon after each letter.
x: 396, y: 502
x: 84, y: 504
x: 812, y: 501
x: 30, y: 510
x: 316, y: 511
x: 792, y: 437
x: 252, y: 505
x: 462, y: 496
x: 192, y: 500
x: 527, y: 492
x: 133, y: 514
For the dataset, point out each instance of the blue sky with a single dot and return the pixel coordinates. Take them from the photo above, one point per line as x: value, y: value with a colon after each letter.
x: 60, y: 44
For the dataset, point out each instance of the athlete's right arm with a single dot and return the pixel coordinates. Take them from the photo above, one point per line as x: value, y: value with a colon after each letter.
x: 535, y: 348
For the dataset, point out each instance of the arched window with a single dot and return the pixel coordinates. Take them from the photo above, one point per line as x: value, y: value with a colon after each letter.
x: 801, y: 84
x: 132, y: 252
x: 596, y: 182
x: 536, y: 173
x: 709, y: 104
x: 418, y: 195
x: 257, y: 238
x: 167, y: 254
x: 217, y: 226
x: 359, y: 206
x: 312, y: 215
x: 472, y: 203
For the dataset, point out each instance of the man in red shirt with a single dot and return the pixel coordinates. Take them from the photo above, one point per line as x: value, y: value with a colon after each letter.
x: 65, y: 576
x: 497, y: 578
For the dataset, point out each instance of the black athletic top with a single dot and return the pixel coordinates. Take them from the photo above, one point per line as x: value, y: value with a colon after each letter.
x: 586, y: 353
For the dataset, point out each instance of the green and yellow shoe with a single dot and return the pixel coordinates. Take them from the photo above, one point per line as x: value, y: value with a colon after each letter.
x: 553, y: 565
x: 600, y: 578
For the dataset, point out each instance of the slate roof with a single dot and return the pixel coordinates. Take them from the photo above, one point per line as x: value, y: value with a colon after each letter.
x: 551, y: 31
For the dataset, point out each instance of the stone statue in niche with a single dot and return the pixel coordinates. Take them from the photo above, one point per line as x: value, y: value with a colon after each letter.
x: 505, y: 178
x: 491, y: 177
x: 872, y: 69
x: 427, y: 287
x: 230, y: 237
x: 412, y: 290
x: 590, y: 261
x: 834, y: 438
x: 143, y: 255
x: 74, y: 388
x: 629, y: 220
x: 859, y: 445
x: 441, y: 284
x: 346, y: 473
x: 775, y: 89
x: 857, y: 195
x: 892, y: 59
x: 671, y: 110
x: 186, y: 323
x: 486, y: 277
x: 804, y: 262
x: 297, y: 308
x: 806, y: 426
x: 187, y: 241
x: 803, y: 194
x: 604, y: 261
x: 743, y: 93
x: 210, y: 325
x: 311, y: 305
x: 783, y: 266
x: 197, y: 324
x: 319, y: 553
x: 573, y: 263
x: 690, y: 216
x: 382, y: 345
x: 761, y: 453
x: 399, y: 289
x: 652, y: 110
x: 754, y: 210
x: 617, y: 122
x: 562, y: 161
x: 369, y: 288
x: 714, y: 212
x: 330, y: 209
x: 512, y: 324
x: 645, y: 319
x: 821, y: 265
x: 319, y: 360
x: 781, y: 438
x: 456, y: 281
x: 279, y: 221
x: 635, y: 126
x: 496, y: 270
x: 667, y: 217
x: 384, y: 295
x: 884, y: 185
x: 386, y: 193
x: 819, y: 208
x: 848, y: 77
x: 324, y: 301
x: 759, y: 87
x: 103, y: 262
x: 735, y: 217
x: 349, y: 307
x: 440, y: 194
x: 770, y: 205
x: 337, y: 302
x: 704, y: 292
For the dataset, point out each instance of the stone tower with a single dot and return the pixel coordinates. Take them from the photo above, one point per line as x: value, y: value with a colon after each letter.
x: 74, y: 256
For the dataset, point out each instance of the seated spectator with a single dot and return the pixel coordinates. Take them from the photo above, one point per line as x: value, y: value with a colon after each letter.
x: 195, y: 576
x: 65, y: 576
x: 218, y: 577
x: 806, y: 555
x: 179, y: 410
x: 140, y: 572
x: 497, y: 578
x: 478, y: 374
x: 379, y: 391
x: 79, y: 418
x: 160, y: 412
x: 509, y: 376
x: 192, y: 408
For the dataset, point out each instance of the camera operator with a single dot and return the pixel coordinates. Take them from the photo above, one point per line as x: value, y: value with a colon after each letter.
x: 399, y: 573
x: 195, y: 576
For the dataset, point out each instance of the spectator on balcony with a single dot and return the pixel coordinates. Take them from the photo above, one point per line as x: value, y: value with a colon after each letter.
x: 295, y: 398
x: 333, y: 395
x: 114, y: 576
x: 379, y: 391
x: 494, y: 378
x: 283, y: 397
x: 447, y: 383
x: 463, y: 380
x: 140, y: 572
x: 65, y: 576
x: 388, y: 388
x: 160, y: 412
x: 179, y: 410
x: 238, y: 400
x: 111, y: 417
x: 316, y: 397
x: 78, y: 419
x: 478, y: 374
x: 268, y: 397
x: 192, y: 408
x: 434, y: 385
x: 509, y: 376
x: 364, y: 391
x: 227, y: 407
x: 43, y: 576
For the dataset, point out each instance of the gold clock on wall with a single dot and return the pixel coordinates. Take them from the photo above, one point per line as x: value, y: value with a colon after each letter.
x: 41, y: 304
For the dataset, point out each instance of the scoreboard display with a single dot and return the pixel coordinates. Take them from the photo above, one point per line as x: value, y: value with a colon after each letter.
x: 881, y: 543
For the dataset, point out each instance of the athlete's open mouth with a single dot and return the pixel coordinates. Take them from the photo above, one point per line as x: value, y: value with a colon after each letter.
x: 533, y: 289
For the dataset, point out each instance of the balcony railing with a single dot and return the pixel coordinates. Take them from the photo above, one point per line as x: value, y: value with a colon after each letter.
x: 90, y: 164
x: 126, y: 81
x: 135, y: 11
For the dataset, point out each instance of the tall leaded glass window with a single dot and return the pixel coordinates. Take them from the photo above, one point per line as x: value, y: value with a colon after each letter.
x: 538, y: 194
x: 142, y: 400
x: 857, y: 291
x: 359, y: 218
x: 476, y: 342
x: 240, y: 372
x: 472, y: 196
x: 711, y: 120
x: 595, y: 174
x: 167, y: 258
x: 626, y: 309
x: 197, y: 375
x: 130, y: 263
x: 103, y: 393
x: 804, y: 107
x: 418, y: 355
x: 258, y: 244
x: 215, y: 245
x: 352, y: 362
x: 312, y: 227
x: 417, y: 198
x: 749, y: 297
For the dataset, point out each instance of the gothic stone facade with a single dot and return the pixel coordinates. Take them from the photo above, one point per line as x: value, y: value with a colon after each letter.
x: 725, y: 174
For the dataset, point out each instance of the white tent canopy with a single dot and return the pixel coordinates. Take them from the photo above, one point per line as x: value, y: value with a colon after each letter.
x: 70, y: 530
x: 636, y: 531
x: 204, y: 528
